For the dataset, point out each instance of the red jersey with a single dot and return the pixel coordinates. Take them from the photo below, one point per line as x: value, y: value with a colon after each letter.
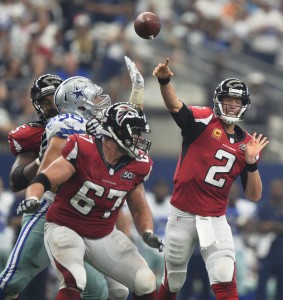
x: 209, y: 163
x: 89, y: 201
x: 26, y: 138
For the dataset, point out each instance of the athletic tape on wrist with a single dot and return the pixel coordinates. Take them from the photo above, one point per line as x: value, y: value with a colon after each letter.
x: 137, y: 96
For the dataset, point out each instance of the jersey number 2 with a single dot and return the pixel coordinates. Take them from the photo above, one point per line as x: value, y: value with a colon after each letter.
x: 213, y: 170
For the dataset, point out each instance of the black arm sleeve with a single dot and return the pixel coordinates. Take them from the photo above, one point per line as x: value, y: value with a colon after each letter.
x: 19, y: 180
x: 184, y: 119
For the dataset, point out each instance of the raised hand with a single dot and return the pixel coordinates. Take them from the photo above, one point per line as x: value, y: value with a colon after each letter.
x: 162, y: 70
x: 254, y: 147
x: 135, y: 75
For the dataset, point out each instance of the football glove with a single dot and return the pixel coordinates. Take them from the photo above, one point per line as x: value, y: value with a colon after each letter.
x: 93, y: 127
x: 153, y: 241
x: 136, y: 77
x: 30, y: 205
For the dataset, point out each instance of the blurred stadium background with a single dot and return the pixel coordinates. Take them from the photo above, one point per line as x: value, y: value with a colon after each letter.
x: 206, y: 41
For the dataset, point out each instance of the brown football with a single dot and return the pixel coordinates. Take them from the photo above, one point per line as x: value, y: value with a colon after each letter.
x: 147, y: 25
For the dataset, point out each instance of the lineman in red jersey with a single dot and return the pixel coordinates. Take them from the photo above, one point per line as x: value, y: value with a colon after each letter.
x: 95, y: 177
x: 214, y: 152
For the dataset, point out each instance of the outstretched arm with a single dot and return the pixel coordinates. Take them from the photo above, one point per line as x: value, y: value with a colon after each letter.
x: 137, y: 94
x: 49, y: 179
x: 163, y: 73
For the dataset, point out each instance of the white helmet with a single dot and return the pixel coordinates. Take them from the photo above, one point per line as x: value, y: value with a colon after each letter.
x: 81, y: 96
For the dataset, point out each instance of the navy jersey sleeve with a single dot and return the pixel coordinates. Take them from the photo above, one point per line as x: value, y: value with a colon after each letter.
x: 184, y: 119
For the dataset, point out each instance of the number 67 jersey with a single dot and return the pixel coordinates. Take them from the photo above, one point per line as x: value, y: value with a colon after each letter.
x: 89, y: 202
x: 209, y: 162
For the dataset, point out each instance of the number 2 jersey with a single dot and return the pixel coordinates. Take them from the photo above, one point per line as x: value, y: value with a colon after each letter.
x: 90, y: 200
x: 209, y: 163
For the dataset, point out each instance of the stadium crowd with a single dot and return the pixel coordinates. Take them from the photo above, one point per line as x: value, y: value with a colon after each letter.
x: 91, y: 38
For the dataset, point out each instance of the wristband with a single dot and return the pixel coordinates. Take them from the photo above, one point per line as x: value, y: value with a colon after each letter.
x: 164, y: 81
x: 148, y: 230
x: 32, y: 198
x: 37, y: 161
x: 42, y: 179
x: 137, y: 96
x: 251, y: 167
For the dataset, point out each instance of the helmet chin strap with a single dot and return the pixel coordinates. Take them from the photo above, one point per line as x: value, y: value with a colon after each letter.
x: 111, y: 133
x: 230, y: 120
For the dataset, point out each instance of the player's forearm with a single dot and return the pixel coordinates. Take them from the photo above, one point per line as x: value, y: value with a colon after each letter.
x: 143, y: 221
x: 170, y: 98
x: 22, y: 173
x: 137, y: 96
x: 35, y: 190
x: 254, y: 186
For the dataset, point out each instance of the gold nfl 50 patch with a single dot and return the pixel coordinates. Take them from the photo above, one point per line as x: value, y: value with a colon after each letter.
x: 216, y: 133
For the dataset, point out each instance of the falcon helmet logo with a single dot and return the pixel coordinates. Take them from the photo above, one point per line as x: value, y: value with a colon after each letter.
x: 125, y: 111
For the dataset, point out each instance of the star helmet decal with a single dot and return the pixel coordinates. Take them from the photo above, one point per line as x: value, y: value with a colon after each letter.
x: 78, y: 92
x: 125, y: 111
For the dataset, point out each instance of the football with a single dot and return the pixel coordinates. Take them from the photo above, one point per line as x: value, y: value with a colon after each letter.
x: 147, y: 25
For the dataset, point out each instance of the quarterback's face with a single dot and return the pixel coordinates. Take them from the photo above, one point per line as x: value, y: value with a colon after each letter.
x: 231, y: 106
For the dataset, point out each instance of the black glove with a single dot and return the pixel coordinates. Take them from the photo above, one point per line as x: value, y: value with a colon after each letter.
x: 28, y: 206
x: 152, y: 240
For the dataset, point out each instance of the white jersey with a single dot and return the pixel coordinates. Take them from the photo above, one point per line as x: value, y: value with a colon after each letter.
x: 62, y: 126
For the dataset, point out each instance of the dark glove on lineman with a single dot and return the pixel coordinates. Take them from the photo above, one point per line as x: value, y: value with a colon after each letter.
x: 93, y: 128
x: 152, y: 240
x: 28, y: 206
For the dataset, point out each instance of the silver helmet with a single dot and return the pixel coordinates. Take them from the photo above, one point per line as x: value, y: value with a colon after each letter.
x: 81, y: 96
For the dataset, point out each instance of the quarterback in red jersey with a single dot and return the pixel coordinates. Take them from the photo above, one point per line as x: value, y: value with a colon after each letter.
x: 215, y: 151
x: 95, y: 177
